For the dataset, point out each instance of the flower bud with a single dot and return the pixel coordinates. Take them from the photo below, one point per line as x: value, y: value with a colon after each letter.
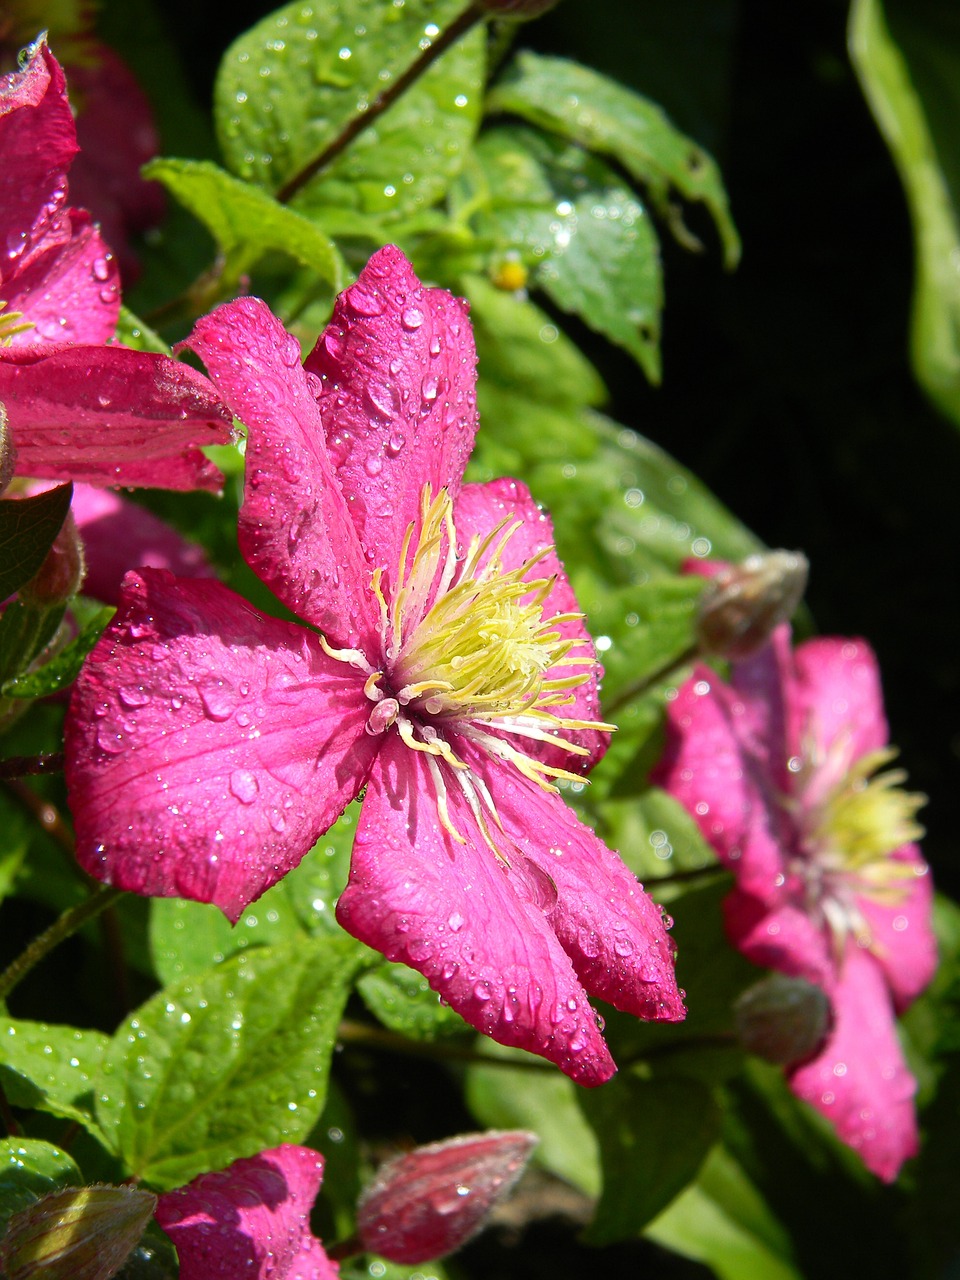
x: 60, y: 575
x: 77, y: 1233
x: 425, y: 1204
x: 783, y: 1020
x: 518, y: 10
x: 744, y: 602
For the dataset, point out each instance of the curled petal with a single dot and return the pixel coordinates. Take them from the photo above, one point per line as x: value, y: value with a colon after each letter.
x: 859, y: 1080
x: 723, y: 786
x: 453, y: 912
x: 111, y: 416
x: 902, y: 940
x: 251, y: 1219
x: 295, y: 530
x: 208, y: 746
x: 480, y: 508
x: 397, y: 370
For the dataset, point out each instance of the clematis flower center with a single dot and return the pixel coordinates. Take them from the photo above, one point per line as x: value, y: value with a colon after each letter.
x: 847, y: 837
x: 466, y: 651
x: 11, y: 324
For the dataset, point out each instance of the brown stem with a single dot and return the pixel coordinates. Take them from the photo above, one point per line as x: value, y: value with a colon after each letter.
x: 46, y: 814
x: 364, y: 119
x: 27, y: 766
x: 640, y: 687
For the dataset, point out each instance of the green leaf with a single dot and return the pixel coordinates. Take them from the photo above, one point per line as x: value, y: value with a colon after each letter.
x: 290, y: 86
x: 29, y: 1169
x: 598, y: 113
x: 383, y: 1270
x: 721, y: 1220
x: 188, y: 937
x: 505, y: 1097
x: 403, y: 1001
x: 653, y: 1136
x: 134, y: 332
x: 657, y: 835
x: 226, y: 1063
x: 64, y: 668
x: 240, y: 216
x: 908, y: 59
x: 28, y: 527
x: 51, y: 1068
x: 590, y: 241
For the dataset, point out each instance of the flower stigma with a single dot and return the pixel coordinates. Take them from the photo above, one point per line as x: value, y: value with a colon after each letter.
x: 11, y: 324
x: 465, y: 648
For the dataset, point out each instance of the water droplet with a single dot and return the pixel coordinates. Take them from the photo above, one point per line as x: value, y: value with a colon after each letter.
x: 411, y: 318
x: 133, y: 696
x: 395, y: 444
x: 218, y: 698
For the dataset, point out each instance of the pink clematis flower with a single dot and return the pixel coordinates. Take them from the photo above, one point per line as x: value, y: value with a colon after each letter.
x: 251, y: 1219
x: 453, y: 680
x: 78, y: 409
x: 779, y: 769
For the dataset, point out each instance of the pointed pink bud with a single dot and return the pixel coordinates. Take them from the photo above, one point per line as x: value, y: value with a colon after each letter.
x: 77, y: 1233
x: 425, y: 1204
x: 783, y: 1020
x: 745, y: 602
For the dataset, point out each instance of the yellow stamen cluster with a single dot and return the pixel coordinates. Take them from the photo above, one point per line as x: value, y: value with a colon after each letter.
x: 11, y: 324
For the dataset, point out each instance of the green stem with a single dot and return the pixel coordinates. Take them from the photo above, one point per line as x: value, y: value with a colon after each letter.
x: 64, y: 927
x: 640, y: 687
x: 364, y: 119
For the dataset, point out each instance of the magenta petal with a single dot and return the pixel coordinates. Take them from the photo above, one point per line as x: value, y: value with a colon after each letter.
x: 38, y: 142
x: 119, y: 534
x: 902, y: 938
x: 609, y: 927
x: 70, y: 291
x: 837, y: 702
x: 783, y: 937
x: 727, y: 791
x: 111, y: 416
x: 859, y: 1080
x: 251, y: 1219
x: 397, y: 365
x: 472, y: 928
x: 208, y: 746
x: 480, y: 508
x: 295, y: 531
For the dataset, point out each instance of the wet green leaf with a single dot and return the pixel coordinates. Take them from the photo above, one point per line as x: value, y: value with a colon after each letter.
x: 64, y: 668
x: 51, y: 1068
x: 29, y: 1169
x: 28, y: 527
x: 598, y: 113
x: 653, y: 1137
x: 289, y: 86
x: 242, y: 217
x: 404, y: 1001
x: 907, y: 56
x: 225, y: 1063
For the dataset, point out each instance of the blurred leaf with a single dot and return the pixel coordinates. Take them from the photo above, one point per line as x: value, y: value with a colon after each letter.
x: 51, y: 1068
x: 29, y: 1169
x: 225, y: 1063
x: 588, y: 239
x: 658, y: 836
x: 133, y: 332
x: 907, y: 56
x: 653, y: 1137
x: 404, y: 1001
x: 26, y: 628
x: 360, y: 1269
x: 336, y: 1136
x: 604, y: 116
x: 290, y: 85
x: 721, y: 1220
x: 64, y: 668
x: 28, y: 527
x: 242, y: 217
x: 544, y: 1102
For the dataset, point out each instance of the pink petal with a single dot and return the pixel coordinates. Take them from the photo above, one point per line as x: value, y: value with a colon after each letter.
x: 430, y: 1201
x: 837, y: 703
x: 480, y: 508
x: 761, y: 686
x: 398, y: 370
x: 108, y: 415
x: 208, y: 746
x: 119, y: 535
x: 903, y: 941
x: 295, y: 530
x: 706, y: 766
x: 612, y: 931
x: 38, y: 142
x: 781, y: 937
x: 252, y: 1219
x: 476, y: 932
x: 70, y: 291
x: 859, y: 1080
